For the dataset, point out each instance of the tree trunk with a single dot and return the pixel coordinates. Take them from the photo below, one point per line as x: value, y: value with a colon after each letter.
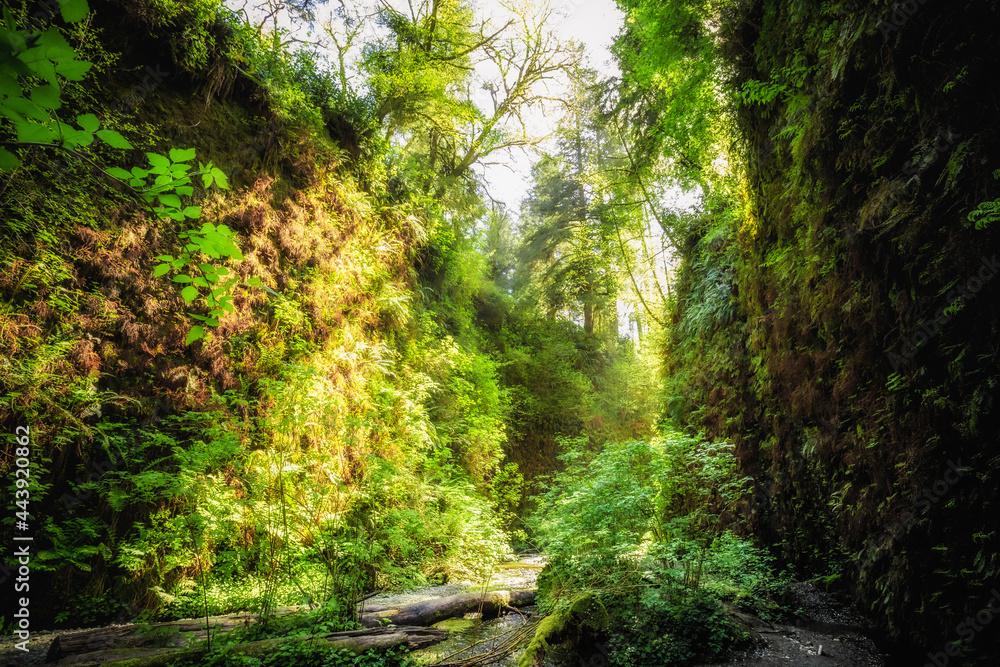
x: 432, y: 611
x: 173, y: 634
x: 356, y: 641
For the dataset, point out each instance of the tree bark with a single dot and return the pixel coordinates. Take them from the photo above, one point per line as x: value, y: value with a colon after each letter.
x: 432, y: 611
x: 170, y: 634
x: 356, y: 641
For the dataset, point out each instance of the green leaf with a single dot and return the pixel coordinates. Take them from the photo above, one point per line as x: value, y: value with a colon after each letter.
x: 73, y: 70
x: 200, y: 282
x: 158, y: 160
x: 193, y: 212
x: 139, y: 173
x: 46, y: 97
x: 196, y: 333
x: 160, y: 270
x: 200, y: 318
x: 9, y: 85
x: 190, y: 293
x: 73, y: 10
x: 47, y: 70
x: 54, y: 46
x: 185, y: 191
x: 182, y: 279
x: 73, y: 137
x: 9, y: 62
x: 206, y: 179
x: 26, y: 109
x: 220, y: 178
x: 35, y: 133
x: 170, y: 200
x: 118, y: 172
x: 88, y: 122
x: 113, y: 139
x: 182, y: 154
x: 8, y: 160
x: 165, y: 258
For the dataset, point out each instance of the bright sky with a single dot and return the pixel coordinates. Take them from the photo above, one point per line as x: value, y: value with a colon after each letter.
x: 595, y: 24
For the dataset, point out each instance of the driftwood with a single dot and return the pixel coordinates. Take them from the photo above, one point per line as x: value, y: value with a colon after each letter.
x: 356, y: 641
x: 432, y: 611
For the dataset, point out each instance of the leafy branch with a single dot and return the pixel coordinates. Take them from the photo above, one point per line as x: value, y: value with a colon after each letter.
x: 31, y: 107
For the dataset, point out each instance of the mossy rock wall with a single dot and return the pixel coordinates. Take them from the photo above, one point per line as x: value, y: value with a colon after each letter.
x: 864, y: 407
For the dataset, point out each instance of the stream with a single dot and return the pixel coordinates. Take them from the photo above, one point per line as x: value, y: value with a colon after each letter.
x: 472, y: 636
x: 825, y: 631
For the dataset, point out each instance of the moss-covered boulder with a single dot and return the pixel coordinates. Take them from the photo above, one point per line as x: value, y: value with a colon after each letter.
x: 570, y: 631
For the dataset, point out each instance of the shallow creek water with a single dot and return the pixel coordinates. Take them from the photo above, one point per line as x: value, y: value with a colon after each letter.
x: 472, y: 636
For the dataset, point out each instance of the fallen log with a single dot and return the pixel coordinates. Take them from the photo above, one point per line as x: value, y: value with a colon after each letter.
x: 177, y: 634
x: 168, y: 634
x: 355, y: 641
x: 429, y: 612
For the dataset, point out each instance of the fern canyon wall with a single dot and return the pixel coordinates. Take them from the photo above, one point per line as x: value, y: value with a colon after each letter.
x: 846, y: 324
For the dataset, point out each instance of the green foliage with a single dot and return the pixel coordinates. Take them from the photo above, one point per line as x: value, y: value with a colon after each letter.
x: 304, y: 654
x: 987, y: 212
x: 642, y: 525
x: 169, y: 179
x: 666, y: 628
x: 30, y: 106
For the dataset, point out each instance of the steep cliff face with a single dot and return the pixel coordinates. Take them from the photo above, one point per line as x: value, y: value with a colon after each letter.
x: 853, y: 352
x: 161, y: 466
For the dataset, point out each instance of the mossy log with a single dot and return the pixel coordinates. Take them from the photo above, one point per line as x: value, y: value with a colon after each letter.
x: 174, y: 634
x: 356, y: 641
x: 428, y: 612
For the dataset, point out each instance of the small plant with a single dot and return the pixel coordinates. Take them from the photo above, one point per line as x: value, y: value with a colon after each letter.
x: 161, y: 185
x: 987, y: 212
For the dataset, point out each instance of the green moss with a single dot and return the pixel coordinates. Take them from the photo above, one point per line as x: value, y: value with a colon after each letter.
x: 563, y: 630
x: 455, y: 624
